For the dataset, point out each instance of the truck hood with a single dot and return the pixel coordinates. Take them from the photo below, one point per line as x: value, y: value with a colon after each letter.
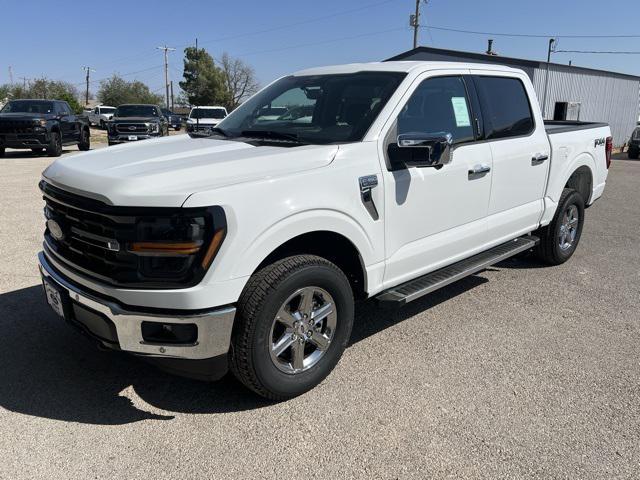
x: 26, y: 116
x: 133, y: 119
x: 165, y: 171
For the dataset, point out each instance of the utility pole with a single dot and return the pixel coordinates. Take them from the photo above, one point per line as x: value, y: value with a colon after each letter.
x: 24, y: 82
x: 171, y: 95
x: 552, y: 41
x: 414, y: 21
x: 88, y: 71
x: 166, y: 70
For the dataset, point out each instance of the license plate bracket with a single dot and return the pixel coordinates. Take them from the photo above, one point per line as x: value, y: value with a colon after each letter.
x: 57, y: 298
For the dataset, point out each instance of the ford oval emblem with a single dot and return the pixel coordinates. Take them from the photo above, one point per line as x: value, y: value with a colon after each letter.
x: 132, y: 128
x: 55, y: 230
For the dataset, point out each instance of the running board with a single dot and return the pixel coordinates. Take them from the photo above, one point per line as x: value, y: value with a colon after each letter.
x: 420, y: 286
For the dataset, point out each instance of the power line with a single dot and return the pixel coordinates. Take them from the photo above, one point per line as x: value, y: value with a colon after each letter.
x: 598, y: 51
x: 526, y: 35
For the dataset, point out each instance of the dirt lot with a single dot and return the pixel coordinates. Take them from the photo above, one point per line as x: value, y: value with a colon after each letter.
x: 518, y: 372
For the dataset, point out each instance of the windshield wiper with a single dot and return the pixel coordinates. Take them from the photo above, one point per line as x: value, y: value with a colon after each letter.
x: 272, y: 134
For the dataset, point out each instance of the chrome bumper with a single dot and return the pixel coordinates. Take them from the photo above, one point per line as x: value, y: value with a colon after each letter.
x: 214, y: 327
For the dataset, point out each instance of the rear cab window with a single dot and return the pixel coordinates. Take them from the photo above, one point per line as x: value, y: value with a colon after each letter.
x: 505, y: 107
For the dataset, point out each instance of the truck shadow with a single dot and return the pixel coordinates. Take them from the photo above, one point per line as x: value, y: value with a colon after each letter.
x: 49, y: 370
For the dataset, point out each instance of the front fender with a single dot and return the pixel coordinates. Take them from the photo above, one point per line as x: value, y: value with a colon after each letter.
x: 298, y: 224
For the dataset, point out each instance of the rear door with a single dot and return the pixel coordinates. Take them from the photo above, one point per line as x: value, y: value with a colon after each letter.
x: 520, y: 150
x: 435, y: 216
x: 67, y: 122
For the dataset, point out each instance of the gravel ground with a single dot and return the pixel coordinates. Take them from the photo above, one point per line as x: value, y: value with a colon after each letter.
x: 518, y: 372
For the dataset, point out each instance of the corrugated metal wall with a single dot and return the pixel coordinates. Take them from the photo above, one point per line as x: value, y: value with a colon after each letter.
x: 603, y: 97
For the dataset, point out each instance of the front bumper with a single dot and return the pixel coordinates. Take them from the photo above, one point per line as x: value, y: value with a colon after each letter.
x: 89, y: 310
x: 124, y: 138
x: 24, y: 140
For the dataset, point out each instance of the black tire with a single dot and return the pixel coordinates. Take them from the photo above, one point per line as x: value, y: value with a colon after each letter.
x: 549, y: 250
x: 103, y: 126
x: 2, y: 151
x: 55, y: 145
x: 264, y: 294
x: 85, y: 140
x: 633, y: 154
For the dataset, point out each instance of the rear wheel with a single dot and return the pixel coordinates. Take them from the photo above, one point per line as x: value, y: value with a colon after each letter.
x: 55, y: 145
x: 560, y: 238
x: 293, y: 323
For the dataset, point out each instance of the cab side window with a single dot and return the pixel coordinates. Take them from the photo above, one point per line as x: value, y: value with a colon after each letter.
x: 438, y: 105
x: 505, y: 107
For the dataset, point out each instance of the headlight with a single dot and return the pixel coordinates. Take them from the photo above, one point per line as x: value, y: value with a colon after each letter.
x: 41, y: 122
x: 179, y: 245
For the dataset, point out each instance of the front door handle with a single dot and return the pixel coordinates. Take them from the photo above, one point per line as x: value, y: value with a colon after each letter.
x: 538, y: 158
x: 479, y: 170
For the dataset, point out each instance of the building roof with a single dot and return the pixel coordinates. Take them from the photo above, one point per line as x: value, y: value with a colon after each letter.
x: 499, y: 59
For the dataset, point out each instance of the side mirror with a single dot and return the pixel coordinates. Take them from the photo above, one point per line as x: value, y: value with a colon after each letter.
x: 425, y: 149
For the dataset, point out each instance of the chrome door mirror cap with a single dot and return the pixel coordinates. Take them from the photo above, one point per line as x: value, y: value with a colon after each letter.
x: 437, y: 146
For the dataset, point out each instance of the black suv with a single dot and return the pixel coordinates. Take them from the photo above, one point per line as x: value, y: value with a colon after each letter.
x: 134, y: 122
x: 634, y: 144
x: 42, y: 125
x: 175, y: 120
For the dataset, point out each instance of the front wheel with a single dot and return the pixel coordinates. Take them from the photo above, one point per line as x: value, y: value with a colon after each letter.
x: 293, y: 323
x: 85, y: 141
x: 55, y: 145
x: 560, y: 238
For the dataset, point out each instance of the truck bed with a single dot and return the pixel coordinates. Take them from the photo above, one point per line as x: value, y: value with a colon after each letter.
x: 561, y: 126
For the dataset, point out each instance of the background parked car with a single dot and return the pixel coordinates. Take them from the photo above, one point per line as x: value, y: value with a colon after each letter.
x: 101, y: 115
x: 132, y: 122
x: 203, y: 119
x: 175, y: 121
x: 634, y: 144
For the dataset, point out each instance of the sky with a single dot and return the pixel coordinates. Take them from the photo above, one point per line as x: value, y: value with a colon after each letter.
x: 55, y: 39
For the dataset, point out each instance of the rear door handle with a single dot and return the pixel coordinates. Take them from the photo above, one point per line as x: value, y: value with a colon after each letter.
x: 538, y: 158
x: 479, y: 170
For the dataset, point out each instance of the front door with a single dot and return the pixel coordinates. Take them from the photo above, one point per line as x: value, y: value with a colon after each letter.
x: 436, y: 216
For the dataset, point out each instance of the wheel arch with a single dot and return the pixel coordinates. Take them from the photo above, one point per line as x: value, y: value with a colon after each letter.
x: 581, y: 180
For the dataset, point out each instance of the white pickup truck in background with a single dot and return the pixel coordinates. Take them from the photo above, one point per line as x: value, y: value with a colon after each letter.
x: 246, y: 248
x: 101, y: 115
x: 202, y: 119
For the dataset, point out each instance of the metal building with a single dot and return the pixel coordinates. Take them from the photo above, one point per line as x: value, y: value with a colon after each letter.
x: 573, y: 93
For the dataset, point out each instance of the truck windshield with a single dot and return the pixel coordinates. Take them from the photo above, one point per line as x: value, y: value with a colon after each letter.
x: 136, y: 111
x: 207, y: 113
x: 107, y: 109
x: 314, y: 109
x: 28, y: 106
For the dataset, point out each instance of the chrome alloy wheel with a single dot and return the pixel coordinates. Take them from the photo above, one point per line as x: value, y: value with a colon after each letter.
x: 569, y: 227
x: 303, y: 330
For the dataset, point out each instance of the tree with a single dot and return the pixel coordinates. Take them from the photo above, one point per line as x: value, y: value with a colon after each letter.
x: 204, y: 83
x: 45, y: 89
x: 240, y: 80
x: 116, y: 91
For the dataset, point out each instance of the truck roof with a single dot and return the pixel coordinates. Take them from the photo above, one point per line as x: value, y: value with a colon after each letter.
x: 402, y: 66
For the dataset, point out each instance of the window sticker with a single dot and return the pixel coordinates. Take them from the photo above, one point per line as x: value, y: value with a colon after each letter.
x: 460, y: 111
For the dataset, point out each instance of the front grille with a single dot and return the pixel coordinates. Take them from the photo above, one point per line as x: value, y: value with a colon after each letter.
x: 93, y: 240
x: 16, y: 126
x: 132, y: 128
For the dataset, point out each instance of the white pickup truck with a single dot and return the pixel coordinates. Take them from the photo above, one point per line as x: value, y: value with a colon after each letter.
x: 246, y: 249
x: 101, y: 115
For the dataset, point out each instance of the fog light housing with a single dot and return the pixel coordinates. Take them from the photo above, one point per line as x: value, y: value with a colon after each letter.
x: 170, y: 333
